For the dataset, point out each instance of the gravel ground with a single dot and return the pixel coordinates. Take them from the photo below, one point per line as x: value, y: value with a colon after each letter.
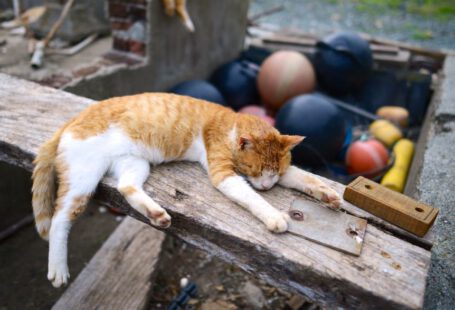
x: 436, y: 187
x: 325, y: 16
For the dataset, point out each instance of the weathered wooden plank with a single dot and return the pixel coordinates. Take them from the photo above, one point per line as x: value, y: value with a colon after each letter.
x: 390, y: 272
x: 120, y: 274
x: 382, y: 54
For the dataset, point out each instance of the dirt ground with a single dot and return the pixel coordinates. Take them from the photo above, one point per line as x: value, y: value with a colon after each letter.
x: 23, y: 257
x: 219, y: 285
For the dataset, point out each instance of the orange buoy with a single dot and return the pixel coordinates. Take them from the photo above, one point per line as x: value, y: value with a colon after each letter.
x: 283, y: 75
x: 366, y: 157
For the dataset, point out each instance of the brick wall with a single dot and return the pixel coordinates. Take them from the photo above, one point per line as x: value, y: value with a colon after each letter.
x: 128, y: 22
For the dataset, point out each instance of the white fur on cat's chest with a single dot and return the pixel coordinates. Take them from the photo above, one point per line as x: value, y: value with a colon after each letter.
x: 196, y: 152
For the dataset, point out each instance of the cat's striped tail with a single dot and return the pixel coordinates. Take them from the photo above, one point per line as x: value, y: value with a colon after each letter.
x: 44, y: 185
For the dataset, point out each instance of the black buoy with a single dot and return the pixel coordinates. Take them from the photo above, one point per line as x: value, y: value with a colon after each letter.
x: 343, y: 62
x: 236, y: 81
x: 320, y: 121
x: 199, y: 89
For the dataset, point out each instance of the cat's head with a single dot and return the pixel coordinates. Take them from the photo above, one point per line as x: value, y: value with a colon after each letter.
x: 262, y: 160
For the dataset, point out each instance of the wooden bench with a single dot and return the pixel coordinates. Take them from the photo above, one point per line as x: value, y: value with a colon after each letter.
x: 390, y: 272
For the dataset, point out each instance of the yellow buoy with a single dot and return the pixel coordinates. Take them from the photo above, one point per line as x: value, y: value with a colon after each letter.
x: 395, y: 178
x: 385, y: 131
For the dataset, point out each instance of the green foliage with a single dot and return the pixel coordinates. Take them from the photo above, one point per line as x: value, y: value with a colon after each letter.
x: 422, y: 35
x: 442, y: 9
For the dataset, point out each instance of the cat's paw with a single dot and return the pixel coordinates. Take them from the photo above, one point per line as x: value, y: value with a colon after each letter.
x: 159, y: 218
x: 333, y: 199
x: 277, y: 222
x: 58, y: 274
x: 327, y: 195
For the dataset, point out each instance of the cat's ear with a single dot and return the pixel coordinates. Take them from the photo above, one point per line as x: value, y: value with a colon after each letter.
x: 290, y: 142
x: 245, y: 143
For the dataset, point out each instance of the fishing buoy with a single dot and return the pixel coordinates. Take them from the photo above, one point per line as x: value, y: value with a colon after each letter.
x: 284, y: 75
x: 343, y: 61
x: 199, y: 89
x: 366, y: 157
x: 385, y: 131
x: 320, y: 121
x: 236, y: 80
x: 258, y: 111
x: 395, y: 178
x: 396, y: 115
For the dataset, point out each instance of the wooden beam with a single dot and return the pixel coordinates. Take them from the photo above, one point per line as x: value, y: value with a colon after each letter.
x: 382, y: 54
x: 120, y: 274
x: 390, y: 272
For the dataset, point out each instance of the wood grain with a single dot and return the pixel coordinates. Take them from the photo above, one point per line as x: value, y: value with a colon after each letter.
x: 120, y: 274
x: 390, y: 205
x: 390, y: 272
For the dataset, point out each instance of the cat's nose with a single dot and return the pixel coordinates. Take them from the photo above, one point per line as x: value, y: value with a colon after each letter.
x: 266, y: 184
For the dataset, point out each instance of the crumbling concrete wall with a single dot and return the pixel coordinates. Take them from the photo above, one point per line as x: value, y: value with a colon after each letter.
x: 172, y: 53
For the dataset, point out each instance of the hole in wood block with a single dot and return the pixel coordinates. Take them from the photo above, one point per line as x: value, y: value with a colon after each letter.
x: 418, y: 209
x: 352, y: 232
x: 368, y: 186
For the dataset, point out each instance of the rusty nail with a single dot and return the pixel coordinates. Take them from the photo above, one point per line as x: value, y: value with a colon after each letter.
x: 296, y: 215
x: 353, y: 231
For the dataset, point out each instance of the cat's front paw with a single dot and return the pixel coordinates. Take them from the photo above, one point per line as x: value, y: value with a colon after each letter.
x: 334, y: 201
x: 58, y: 274
x: 325, y: 194
x: 277, y: 222
x: 331, y: 197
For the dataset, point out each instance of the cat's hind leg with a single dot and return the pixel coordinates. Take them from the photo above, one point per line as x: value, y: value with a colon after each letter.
x: 77, y: 181
x: 131, y: 173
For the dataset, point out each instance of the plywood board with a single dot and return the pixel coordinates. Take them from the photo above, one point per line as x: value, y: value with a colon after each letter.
x: 335, y: 229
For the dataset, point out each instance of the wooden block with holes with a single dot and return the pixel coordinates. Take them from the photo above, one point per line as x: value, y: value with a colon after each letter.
x: 391, y: 206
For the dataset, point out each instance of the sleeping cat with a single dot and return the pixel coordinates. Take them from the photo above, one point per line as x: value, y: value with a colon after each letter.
x: 123, y: 136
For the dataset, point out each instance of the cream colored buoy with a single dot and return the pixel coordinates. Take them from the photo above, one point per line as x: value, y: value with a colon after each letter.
x: 396, y: 115
x: 283, y: 75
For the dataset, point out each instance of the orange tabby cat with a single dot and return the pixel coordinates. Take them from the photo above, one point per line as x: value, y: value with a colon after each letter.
x: 122, y: 136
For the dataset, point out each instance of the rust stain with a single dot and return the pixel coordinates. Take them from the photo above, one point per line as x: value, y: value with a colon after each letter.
x: 396, y: 265
x: 385, y: 254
